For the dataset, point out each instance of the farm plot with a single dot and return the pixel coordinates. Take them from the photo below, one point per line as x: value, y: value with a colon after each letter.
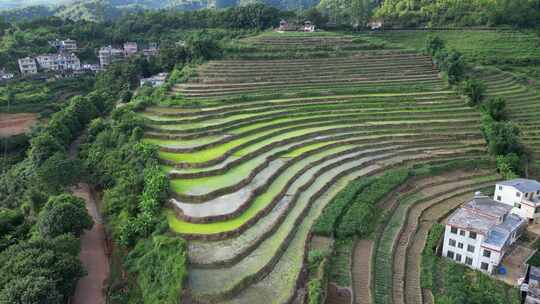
x: 251, y: 170
x: 392, y: 272
x: 16, y: 123
x: 522, y: 102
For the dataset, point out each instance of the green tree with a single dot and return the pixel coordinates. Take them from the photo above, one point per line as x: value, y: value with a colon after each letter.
x: 496, y: 108
x: 35, y: 259
x: 474, y: 89
x: 59, y: 171
x: 62, y: 214
x: 31, y: 289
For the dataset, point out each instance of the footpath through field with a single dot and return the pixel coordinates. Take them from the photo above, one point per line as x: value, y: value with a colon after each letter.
x: 90, y: 288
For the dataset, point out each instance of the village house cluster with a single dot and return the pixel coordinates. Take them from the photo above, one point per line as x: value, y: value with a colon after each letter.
x: 482, y: 231
x: 285, y: 26
x: 109, y: 54
x: 66, y: 61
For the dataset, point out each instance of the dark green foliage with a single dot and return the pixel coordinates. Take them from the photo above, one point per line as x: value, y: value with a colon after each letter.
x: 29, y: 289
x: 317, y: 265
x: 64, y: 214
x: 474, y: 89
x: 496, y: 108
x: 502, y: 137
x: 58, y: 171
x: 327, y: 221
x: 40, y: 270
x: 429, y: 256
x: 201, y: 47
x: 160, y: 264
x: 339, y: 262
x: 460, y: 13
x: 508, y: 165
x: 451, y: 63
x: 465, y: 286
x: 434, y: 44
x: 13, y: 227
x: 362, y: 215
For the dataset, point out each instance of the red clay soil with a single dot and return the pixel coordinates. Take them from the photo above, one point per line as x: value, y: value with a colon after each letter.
x: 16, y: 123
x: 93, y: 248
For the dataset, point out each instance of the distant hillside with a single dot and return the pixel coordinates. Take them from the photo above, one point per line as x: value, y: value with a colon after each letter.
x: 99, y: 10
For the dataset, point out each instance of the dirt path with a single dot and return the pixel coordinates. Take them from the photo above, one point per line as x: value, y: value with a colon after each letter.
x: 90, y: 288
x: 361, y: 271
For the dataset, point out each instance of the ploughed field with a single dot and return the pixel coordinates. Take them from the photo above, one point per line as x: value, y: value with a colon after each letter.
x: 273, y: 141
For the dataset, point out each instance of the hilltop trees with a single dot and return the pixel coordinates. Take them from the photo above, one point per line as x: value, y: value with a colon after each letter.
x: 460, y: 13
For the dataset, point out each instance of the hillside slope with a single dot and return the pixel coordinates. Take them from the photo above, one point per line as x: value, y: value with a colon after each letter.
x: 274, y: 140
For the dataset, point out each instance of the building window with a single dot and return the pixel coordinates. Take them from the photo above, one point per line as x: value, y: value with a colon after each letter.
x: 453, y: 230
x: 458, y: 257
x: 452, y: 242
x: 487, y: 253
x: 518, y: 194
x: 462, y: 232
x: 500, y: 187
x: 537, y: 192
x: 470, y: 248
x: 460, y: 245
x: 499, y: 198
x: 472, y: 235
x: 537, y: 210
x: 468, y: 261
x: 450, y: 254
x: 484, y: 266
x: 517, y: 205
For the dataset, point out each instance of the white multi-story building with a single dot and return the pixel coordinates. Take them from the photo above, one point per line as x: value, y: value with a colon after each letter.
x: 59, y: 62
x: 523, y: 195
x: 108, y: 55
x: 67, y: 45
x: 480, y: 232
x: 155, y: 81
x: 28, y: 66
x: 130, y: 48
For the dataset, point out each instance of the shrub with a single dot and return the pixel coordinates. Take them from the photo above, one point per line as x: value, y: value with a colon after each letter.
x: 429, y: 258
x: 474, y: 89
x: 362, y: 216
x: 508, y: 165
x: 64, y: 214
x: 326, y: 223
x: 160, y: 264
x: 496, y: 108
x: 434, y: 44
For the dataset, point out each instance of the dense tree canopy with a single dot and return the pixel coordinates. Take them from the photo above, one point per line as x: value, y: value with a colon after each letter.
x: 64, y: 214
x: 524, y: 13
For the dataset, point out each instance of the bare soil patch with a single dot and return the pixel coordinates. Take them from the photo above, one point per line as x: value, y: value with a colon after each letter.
x: 16, y: 123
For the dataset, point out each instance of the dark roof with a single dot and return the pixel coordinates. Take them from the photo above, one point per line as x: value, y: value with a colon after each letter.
x: 522, y: 184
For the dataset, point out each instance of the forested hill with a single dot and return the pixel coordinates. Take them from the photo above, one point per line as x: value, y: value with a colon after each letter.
x: 412, y: 13
x: 103, y: 10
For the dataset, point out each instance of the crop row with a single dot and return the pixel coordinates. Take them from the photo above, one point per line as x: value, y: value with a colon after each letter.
x: 390, y: 248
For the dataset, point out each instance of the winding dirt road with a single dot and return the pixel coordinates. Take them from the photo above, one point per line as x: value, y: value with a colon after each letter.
x: 90, y: 288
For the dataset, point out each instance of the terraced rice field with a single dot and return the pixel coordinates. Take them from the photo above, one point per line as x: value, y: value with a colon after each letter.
x: 522, y: 102
x: 487, y: 47
x: 398, y: 247
x: 276, y: 140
